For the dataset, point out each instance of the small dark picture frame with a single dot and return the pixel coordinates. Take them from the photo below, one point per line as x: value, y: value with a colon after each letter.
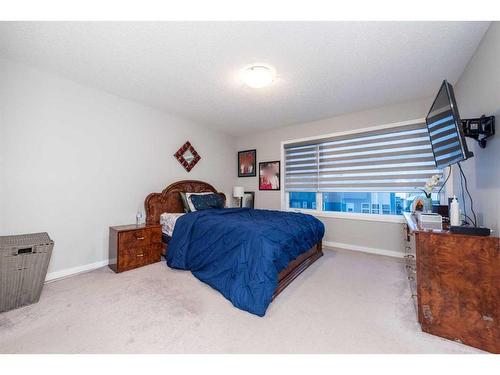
x: 247, y: 163
x: 248, y: 200
x: 269, y: 175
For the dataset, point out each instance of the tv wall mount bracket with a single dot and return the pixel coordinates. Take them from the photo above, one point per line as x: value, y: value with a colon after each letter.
x: 479, y: 129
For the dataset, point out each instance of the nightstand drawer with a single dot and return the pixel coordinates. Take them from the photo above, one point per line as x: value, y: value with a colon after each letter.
x: 138, y: 257
x: 138, y: 238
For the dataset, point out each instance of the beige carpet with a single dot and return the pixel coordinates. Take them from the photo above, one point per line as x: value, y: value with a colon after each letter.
x: 346, y: 302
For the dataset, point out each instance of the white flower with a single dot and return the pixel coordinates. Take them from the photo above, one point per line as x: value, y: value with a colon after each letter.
x: 431, y: 183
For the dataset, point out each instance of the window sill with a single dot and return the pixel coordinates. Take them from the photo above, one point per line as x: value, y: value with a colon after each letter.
x: 352, y: 216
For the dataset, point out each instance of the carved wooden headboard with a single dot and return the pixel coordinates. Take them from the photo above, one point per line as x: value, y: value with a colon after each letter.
x: 169, y: 200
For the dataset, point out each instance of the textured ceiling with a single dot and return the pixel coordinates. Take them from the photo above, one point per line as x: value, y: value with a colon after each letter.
x: 190, y: 69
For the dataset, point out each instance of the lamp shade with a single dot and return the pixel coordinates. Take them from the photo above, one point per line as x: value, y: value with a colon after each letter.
x: 238, y: 191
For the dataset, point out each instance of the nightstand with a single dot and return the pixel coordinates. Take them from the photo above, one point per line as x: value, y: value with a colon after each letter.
x: 132, y: 246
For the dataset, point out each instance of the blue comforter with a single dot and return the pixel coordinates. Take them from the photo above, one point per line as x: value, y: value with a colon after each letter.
x: 240, y: 251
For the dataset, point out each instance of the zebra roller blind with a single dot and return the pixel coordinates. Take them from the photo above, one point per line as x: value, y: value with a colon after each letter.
x: 396, y: 159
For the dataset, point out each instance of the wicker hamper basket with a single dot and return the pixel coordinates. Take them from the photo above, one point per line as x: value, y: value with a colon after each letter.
x: 24, y: 260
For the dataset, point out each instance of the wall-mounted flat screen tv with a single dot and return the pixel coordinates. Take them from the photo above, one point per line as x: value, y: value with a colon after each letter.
x: 445, y: 129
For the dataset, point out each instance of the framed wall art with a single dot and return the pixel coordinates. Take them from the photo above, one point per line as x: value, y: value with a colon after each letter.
x: 269, y: 175
x: 247, y: 163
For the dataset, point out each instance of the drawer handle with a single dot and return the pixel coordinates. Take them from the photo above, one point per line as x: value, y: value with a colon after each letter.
x: 140, y: 238
x: 411, y: 278
x: 409, y: 256
x: 411, y: 269
x: 140, y: 255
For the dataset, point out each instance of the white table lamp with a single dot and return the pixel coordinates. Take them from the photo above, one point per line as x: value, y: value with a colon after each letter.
x: 238, y: 192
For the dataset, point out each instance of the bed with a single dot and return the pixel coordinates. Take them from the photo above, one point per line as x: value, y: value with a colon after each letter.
x: 169, y: 200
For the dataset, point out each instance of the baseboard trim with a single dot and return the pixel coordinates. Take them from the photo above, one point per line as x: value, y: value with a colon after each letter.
x: 57, y: 275
x: 364, y: 249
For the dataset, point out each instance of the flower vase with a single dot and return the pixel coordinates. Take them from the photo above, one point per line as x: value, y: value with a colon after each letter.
x: 427, y: 204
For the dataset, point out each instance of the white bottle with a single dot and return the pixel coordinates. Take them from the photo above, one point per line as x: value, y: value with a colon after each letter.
x: 454, y: 212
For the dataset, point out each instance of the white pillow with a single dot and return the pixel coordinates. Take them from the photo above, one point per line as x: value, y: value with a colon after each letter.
x: 190, y: 204
x: 167, y: 222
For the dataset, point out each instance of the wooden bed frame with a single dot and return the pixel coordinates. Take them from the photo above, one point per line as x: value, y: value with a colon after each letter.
x: 169, y: 200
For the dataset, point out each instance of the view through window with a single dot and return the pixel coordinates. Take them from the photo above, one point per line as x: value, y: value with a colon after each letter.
x: 378, y: 203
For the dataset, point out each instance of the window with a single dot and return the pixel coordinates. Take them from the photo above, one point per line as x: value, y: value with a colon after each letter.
x: 375, y: 171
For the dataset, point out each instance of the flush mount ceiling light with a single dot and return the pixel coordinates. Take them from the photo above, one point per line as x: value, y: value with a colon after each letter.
x: 258, y: 76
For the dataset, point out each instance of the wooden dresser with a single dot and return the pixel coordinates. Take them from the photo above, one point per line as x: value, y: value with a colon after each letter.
x: 132, y: 246
x: 455, y: 282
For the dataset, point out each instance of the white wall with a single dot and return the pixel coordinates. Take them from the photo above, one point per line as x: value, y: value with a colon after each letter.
x: 355, y: 233
x: 477, y: 93
x: 2, y: 162
x: 75, y: 160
